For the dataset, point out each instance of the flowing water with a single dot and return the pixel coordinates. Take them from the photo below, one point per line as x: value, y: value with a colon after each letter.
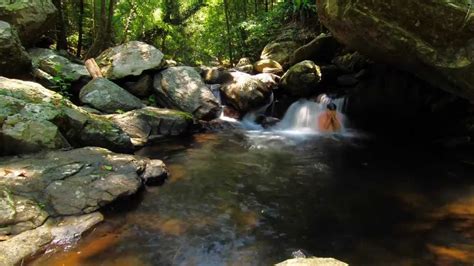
x: 257, y: 197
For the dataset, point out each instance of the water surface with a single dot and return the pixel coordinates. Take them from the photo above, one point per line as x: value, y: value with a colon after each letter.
x: 253, y: 198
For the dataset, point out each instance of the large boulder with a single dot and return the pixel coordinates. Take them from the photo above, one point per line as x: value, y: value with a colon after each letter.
x: 279, y: 51
x: 268, y: 66
x: 77, y: 181
x: 14, y: 59
x: 144, y: 125
x: 33, y: 118
x: 56, y: 65
x: 301, y: 80
x: 129, y: 59
x: 32, y: 18
x: 433, y: 39
x: 215, y: 75
x: 182, y: 88
x: 245, y: 92
x: 320, y: 49
x: 106, y: 96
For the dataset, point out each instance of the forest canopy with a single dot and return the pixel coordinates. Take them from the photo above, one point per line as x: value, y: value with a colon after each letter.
x: 188, y: 31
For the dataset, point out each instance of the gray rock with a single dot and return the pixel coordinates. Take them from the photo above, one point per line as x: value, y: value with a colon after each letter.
x: 301, y: 80
x: 57, y: 65
x: 245, y: 92
x: 312, y: 262
x: 33, y: 118
x: 279, y: 51
x: 56, y: 231
x: 77, y: 181
x: 144, y: 125
x: 129, y: 59
x: 183, y: 89
x: 321, y: 48
x: 106, y: 96
x: 215, y: 75
x: 31, y: 18
x: 14, y: 59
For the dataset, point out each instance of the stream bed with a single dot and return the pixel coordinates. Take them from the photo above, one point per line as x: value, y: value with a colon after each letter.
x: 258, y: 198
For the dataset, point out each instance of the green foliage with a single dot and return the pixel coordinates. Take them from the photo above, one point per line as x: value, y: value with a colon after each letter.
x: 63, y: 84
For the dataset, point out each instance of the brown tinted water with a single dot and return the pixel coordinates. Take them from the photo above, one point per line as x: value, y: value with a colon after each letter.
x: 255, y: 198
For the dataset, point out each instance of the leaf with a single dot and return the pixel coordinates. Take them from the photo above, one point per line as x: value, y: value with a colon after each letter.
x: 108, y: 167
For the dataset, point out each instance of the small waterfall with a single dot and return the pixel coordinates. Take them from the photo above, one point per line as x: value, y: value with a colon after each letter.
x: 303, y: 115
x: 248, y: 121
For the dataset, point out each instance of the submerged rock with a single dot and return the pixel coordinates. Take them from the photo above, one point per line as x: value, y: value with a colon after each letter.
x: 77, y: 181
x: 32, y: 18
x: 57, y: 65
x: 33, y: 118
x: 144, y: 125
x: 245, y: 92
x: 301, y: 80
x: 14, y: 60
x: 57, y: 231
x: 106, y: 96
x: 129, y: 59
x: 182, y: 88
x: 433, y: 39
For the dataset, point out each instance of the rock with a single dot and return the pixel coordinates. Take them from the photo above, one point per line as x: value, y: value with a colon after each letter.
x: 347, y: 80
x: 269, y: 80
x: 33, y: 118
x: 144, y: 125
x: 14, y: 60
x: 77, y: 181
x: 301, y: 80
x: 432, y: 39
x: 143, y: 87
x: 312, y: 262
x: 58, y: 231
x: 106, y: 96
x: 279, y: 51
x: 320, y: 49
x: 245, y: 65
x: 57, y: 65
x: 218, y: 125
x: 155, y: 173
x: 17, y: 213
x: 215, y: 75
x: 31, y: 18
x: 268, y: 66
x: 350, y: 62
x: 129, y: 59
x: 183, y: 89
x: 267, y: 121
x: 245, y: 92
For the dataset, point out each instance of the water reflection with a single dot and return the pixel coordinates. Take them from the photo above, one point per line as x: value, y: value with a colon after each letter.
x: 252, y: 198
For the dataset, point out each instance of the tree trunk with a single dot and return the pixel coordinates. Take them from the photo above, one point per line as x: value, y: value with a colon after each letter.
x: 99, y: 39
x: 80, y: 27
x: 61, y: 41
x: 109, y: 29
x: 227, y: 22
x: 93, y: 68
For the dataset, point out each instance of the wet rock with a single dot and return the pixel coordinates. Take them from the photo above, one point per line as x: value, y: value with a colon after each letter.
x: 279, y: 51
x: 301, y: 80
x: 432, y: 39
x: 320, y: 49
x: 144, y: 125
x: 312, y: 262
x: 183, y: 89
x: 33, y: 118
x: 143, y: 87
x: 268, y: 66
x: 31, y: 18
x: 270, y: 80
x: 155, y: 173
x: 218, y: 125
x: 14, y: 60
x: 57, y: 66
x: 58, y: 231
x: 129, y: 59
x: 77, y: 181
x: 245, y: 92
x: 106, y: 96
x: 267, y: 121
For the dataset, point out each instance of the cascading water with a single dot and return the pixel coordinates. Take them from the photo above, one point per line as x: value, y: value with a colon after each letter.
x: 248, y: 121
x: 302, y: 116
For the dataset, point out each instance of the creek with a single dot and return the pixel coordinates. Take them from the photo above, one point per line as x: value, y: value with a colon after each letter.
x: 254, y: 197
